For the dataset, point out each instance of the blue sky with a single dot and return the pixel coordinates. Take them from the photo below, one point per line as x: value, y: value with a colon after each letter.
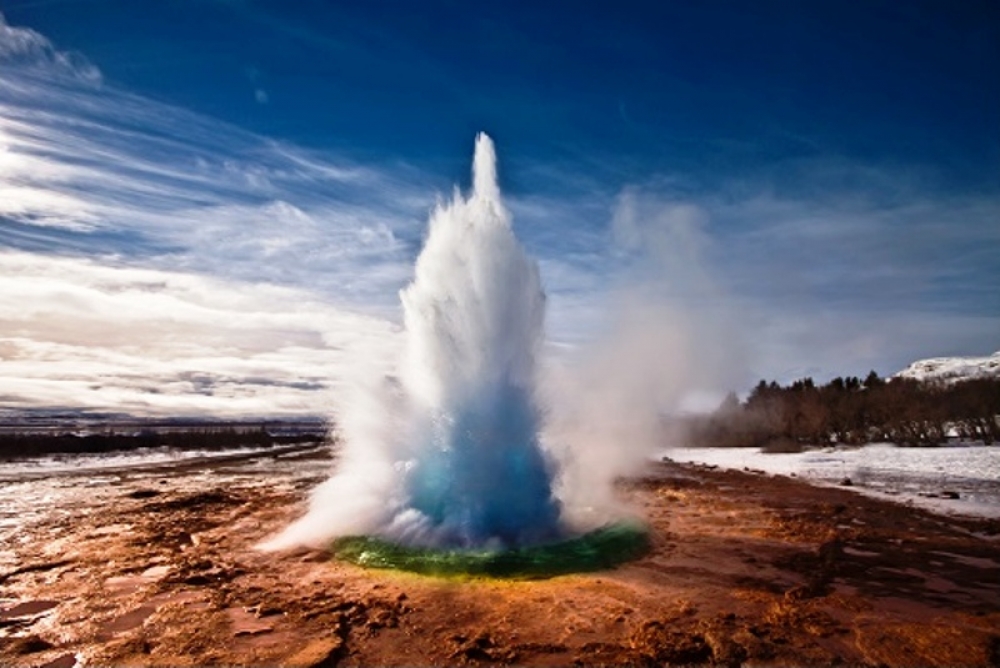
x: 820, y: 181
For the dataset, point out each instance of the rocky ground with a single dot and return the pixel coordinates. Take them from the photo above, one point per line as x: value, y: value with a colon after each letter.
x: 746, y: 569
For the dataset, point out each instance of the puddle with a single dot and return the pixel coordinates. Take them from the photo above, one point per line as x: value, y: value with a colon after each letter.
x: 64, y: 661
x: 128, y: 621
x: 28, y: 609
x: 137, y: 617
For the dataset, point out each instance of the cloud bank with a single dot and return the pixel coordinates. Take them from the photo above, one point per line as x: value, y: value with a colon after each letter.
x: 78, y: 334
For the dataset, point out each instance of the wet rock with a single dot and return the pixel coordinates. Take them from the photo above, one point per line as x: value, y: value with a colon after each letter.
x: 993, y: 651
x: 34, y: 568
x: 264, y: 610
x: 725, y: 650
x: 755, y: 642
x: 382, y: 619
x: 201, y: 572
x: 658, y: 645
x: 195, y: 501
x: 481, y: 648
x: 181, y: 539
x: 318, y: 653
x: 604, y: 654
x: 542, y: 647
x: 245, y: 623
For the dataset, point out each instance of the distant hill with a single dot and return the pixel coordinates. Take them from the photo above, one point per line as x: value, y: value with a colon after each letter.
x: 929, y: 403
x: 953, y: 369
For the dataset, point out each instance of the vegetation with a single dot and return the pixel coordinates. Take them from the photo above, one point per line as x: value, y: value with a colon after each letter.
x: 855, y: 411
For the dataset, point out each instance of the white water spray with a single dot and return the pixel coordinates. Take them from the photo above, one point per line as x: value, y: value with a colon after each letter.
x: 449, y: 454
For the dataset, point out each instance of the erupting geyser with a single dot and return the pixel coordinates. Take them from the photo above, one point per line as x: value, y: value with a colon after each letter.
x: 474, y: 316
x: 448, y: 454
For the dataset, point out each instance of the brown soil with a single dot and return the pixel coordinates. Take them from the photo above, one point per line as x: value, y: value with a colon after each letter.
x: 746, y: 569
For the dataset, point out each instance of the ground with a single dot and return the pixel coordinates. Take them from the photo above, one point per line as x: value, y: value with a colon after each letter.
x: 745, y: 569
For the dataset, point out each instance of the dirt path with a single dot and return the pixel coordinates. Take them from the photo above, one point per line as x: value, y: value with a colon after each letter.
x: 745, y: 569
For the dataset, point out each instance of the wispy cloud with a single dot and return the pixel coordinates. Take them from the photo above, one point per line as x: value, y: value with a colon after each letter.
x: 93, y: 169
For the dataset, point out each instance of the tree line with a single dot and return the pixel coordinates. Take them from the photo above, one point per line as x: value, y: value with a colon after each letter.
x: 16, y: 445
x: 854, y: 411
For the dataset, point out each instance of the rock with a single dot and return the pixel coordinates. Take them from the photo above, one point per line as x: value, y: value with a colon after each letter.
x: 658, y: 644
x: 264, y: 610
x: 317, y: 654
x: 725, y: 651
x: 846, y: 482
x: 482, y: 648
x: 949, y: 494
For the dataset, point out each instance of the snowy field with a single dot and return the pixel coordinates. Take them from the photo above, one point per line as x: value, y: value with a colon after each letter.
x: 926, y: 477
x: 138, y: 460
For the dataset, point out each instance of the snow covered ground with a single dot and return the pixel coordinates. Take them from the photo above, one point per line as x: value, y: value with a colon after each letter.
x: 922, y: 476
x: 953, y: 369
x: 140, y: 459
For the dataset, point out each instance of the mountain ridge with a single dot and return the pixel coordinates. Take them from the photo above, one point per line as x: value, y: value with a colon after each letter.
x: 952, y: 369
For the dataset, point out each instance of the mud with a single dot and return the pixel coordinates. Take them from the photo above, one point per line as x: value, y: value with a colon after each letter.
x: 746, y: 569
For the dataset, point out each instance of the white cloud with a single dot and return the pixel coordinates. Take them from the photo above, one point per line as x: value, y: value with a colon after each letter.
x: 79, y: 334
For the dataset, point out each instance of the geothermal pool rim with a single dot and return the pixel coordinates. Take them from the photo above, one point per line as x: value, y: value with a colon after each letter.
x: 601, y: 549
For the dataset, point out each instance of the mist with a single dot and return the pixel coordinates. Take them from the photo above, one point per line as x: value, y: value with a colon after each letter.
x: 670, y: 343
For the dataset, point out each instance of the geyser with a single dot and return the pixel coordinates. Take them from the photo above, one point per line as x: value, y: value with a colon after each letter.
x: 474, y: 321
x: 447, y: 455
